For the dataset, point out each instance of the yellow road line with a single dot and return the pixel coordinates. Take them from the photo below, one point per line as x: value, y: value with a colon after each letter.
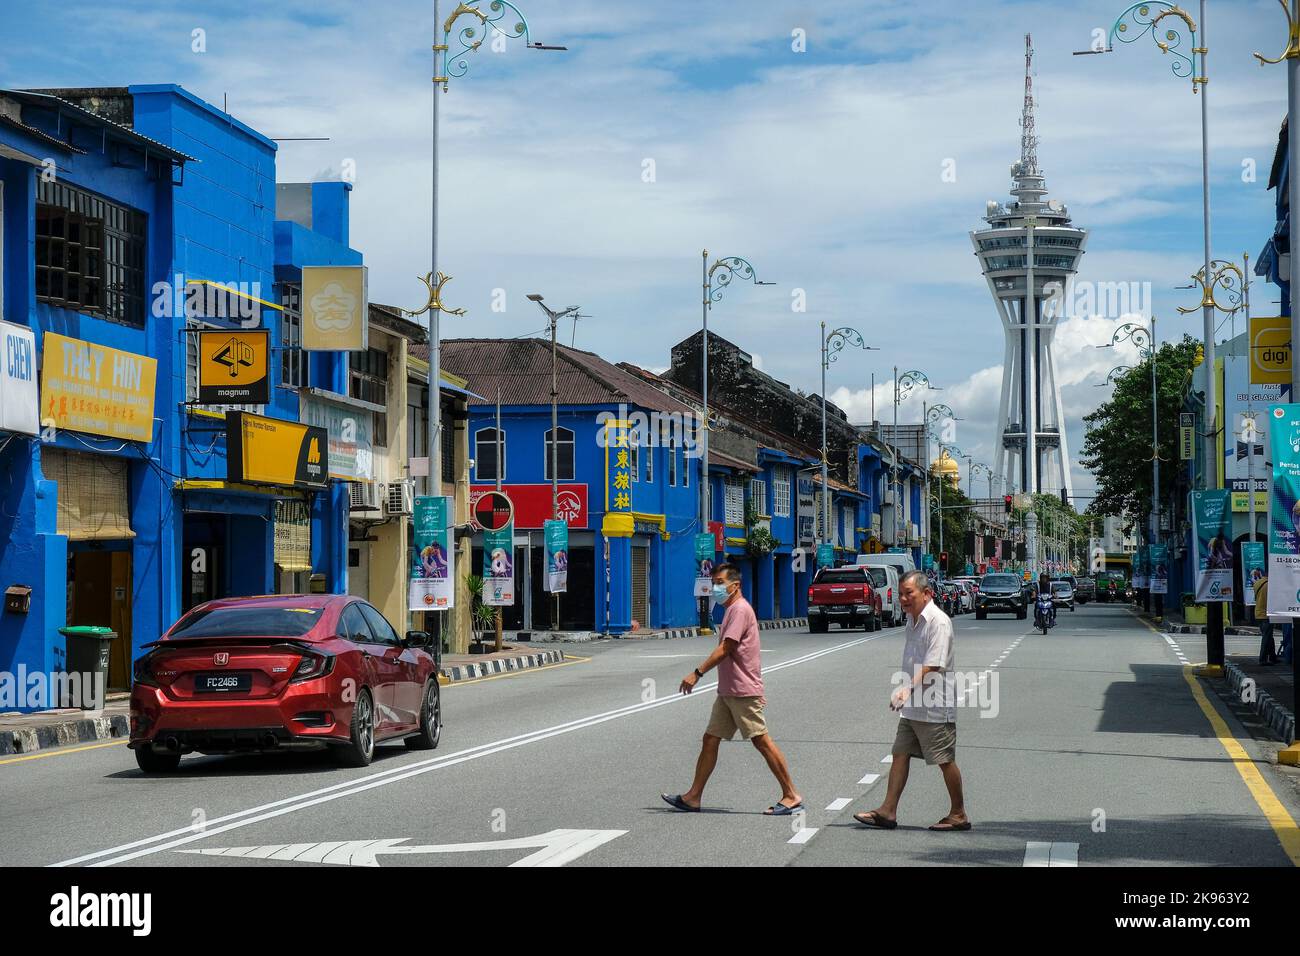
x: 60, y: 753
x: 519, y: 673
x: 1279, y: 819
x: 1283, y: 824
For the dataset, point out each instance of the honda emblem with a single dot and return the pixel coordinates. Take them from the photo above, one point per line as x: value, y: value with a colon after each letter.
x: 221, y: 659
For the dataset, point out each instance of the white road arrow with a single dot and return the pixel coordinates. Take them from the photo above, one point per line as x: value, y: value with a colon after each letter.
x: 554, y: 848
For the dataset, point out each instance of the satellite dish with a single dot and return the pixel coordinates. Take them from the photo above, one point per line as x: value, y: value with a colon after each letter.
x: 1054, y: 205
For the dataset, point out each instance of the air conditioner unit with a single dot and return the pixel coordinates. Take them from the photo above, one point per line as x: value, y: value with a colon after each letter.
x: 400, y: 500
x: 364, y: 496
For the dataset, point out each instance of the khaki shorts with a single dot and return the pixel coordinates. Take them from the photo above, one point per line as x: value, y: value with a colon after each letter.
x: 737, y: 713
x: 937, y: 743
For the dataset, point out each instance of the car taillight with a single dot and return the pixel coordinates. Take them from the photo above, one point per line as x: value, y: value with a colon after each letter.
x: 143, y: 670
x: 313, y: 665
x: 810, y: 594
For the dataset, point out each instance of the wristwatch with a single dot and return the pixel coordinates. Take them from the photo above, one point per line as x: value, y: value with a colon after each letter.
x: 698, y: 675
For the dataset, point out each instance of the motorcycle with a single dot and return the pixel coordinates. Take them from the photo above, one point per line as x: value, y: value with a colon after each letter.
x: 1044, y: 616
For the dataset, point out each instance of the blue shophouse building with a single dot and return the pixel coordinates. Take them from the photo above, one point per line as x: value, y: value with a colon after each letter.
x: 115, y: 205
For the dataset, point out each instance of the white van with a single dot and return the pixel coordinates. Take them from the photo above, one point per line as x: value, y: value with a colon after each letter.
x: 894, y: 566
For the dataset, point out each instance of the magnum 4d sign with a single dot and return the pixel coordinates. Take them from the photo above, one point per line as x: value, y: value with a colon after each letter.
x: 271, y: 451
x: 18, y: 399
x: 335, y: 309
x: 95, y: 389
x: 233, y: 367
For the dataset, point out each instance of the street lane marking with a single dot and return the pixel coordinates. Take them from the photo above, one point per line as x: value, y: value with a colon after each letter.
x: 803, y: 836
x: 553, y: 848
x: 1278, y: 818
x: 869, y: 779
x: 839, y: 803
x: 61, y: 753
x: 1051, y: 854
x: 242, y: 818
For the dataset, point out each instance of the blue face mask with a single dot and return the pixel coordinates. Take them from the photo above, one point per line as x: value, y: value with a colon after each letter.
x: 720, y: 594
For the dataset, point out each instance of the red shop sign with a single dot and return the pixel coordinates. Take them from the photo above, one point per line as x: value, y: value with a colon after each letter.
x: 533, y: 503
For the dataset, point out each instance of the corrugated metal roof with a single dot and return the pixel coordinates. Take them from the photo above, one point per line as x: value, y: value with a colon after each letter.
x: 727, y: 461
x: 50, y: 101
x: 40, y: 135
x: 521, y: 368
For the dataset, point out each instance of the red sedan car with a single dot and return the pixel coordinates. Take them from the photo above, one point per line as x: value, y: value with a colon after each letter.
x: 284, y: 672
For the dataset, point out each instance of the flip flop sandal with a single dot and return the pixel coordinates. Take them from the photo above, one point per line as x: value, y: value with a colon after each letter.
x: 876, y: 822
x: 677, y: 803
x: 779, y: 809
x: 942, y: 827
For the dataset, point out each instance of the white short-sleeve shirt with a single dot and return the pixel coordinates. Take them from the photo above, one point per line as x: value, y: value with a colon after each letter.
x: 928, y: 643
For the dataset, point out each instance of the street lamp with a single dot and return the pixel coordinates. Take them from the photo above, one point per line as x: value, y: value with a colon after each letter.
x: 1139, y: 21
x: 903, y: 386
x: 446, y: 65
x: 832, y: 343
x: 932, y: 415
x: 716, y: 278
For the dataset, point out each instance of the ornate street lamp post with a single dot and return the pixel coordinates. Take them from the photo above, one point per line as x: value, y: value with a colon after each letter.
x: 832, y: 343
x: 903, y: 386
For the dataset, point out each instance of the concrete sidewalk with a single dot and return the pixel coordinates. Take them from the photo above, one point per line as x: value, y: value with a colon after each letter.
x: 27, y: 733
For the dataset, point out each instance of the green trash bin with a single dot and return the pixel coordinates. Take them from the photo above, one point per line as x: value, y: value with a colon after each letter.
x: 88, y: 651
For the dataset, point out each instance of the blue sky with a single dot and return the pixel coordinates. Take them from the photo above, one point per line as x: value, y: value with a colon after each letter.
x: 822, y: 167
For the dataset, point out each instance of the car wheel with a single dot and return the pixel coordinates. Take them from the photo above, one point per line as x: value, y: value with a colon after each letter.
x: 980, y: 615
x: 360, y: 750
x: 430, y: 719
x: 150, y: 761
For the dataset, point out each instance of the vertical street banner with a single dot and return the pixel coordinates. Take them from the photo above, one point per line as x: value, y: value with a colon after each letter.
x: 704, y: 554
x: 557, y: 556
x: 499, y: 566
x: 825, y: 555
x: 1139, y: 575
x: 1252, y: 569
x: 1284, y: 512
x: 433, y: 570
x: 1158, y: 571
x: 1212, y: 536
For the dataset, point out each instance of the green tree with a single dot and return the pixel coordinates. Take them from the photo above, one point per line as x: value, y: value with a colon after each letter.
x: 956, y: 519
x: 1117, y: 444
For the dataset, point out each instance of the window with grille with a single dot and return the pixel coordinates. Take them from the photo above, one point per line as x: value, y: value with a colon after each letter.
x: 368, y: 381
x: 293, y: 360
x: 848, y: 526
x: 485, y: 454
x: 781, y: 493
x: 89, y: 253
x: 563, y: 451
x: 758, y: 495
x: 417, y: 424
x: 734, y: 502
x: 192, y: 370
x: 634, y: 456
x: 670, y: 450
x: 650, y: 463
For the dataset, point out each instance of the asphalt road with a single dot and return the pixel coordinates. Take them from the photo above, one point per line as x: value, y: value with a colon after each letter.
x: 1087, y: 745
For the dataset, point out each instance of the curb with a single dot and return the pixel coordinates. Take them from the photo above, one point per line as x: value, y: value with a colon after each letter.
x: 464, y: 672
x: 788, y: 623
x: 83, y: 730
x: 1280, y: 721
x: 1230, y: 630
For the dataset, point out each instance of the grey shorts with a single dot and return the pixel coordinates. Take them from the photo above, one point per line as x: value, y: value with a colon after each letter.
x: 937, y: 743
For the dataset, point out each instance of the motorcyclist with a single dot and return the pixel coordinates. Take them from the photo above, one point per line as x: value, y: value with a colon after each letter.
x: 1045, y: 588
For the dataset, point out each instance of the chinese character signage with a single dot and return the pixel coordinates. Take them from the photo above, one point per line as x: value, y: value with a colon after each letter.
x: 334, y: 309
x: 92, y: 388
x: 499, y: 566
x: 619, y: 522
x: 557, y: 556
x: 1212, y: 536
x: 433, y: 570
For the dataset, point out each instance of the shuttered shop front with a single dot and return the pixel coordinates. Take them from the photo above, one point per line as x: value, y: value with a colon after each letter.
x: 92, y: 495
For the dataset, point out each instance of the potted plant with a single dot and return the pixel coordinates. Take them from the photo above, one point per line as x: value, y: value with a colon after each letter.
x: 759, y: 540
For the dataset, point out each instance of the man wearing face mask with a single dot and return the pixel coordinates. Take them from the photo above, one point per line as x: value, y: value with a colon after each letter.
x: 740, y: 700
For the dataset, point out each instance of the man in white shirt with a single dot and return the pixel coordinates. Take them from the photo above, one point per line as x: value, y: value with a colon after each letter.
x: 927, y: 706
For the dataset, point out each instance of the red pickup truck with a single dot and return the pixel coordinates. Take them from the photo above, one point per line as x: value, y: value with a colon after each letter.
x: 845, y: 595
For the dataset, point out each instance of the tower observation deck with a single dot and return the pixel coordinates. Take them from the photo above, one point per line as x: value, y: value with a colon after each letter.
x: 1027, y: 246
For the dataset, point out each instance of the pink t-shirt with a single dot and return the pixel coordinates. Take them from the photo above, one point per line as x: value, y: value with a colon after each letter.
x: 741, y: 673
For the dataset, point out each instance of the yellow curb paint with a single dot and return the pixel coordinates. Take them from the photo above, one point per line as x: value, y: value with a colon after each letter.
x: 60, y: 753
x: 527, y: 670
x: 1290, y: 756
x: 1212, y: 671
x: 1288, y: 834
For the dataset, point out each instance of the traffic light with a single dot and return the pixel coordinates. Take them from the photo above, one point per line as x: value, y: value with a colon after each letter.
x: 1006, y: 500
x: 943, y: 560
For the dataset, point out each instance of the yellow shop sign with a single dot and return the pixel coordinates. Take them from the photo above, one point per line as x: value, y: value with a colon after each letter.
x: 95, y: 389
